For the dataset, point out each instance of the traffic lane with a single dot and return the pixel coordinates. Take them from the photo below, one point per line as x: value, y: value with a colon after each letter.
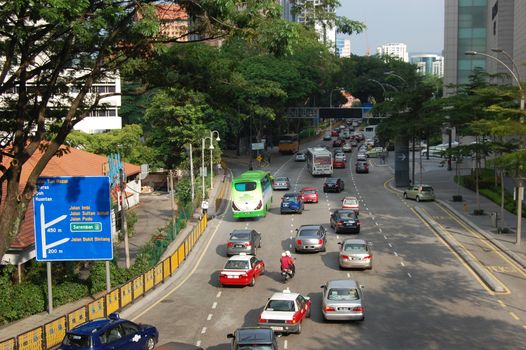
x: 441, y: 278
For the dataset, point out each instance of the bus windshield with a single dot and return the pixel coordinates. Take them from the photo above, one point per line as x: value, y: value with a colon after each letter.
x: 288, y: 138
x: 245, y: 186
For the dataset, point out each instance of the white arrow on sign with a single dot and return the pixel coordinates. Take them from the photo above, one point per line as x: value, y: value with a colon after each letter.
x: 44, y: 226
x: 402, y: 156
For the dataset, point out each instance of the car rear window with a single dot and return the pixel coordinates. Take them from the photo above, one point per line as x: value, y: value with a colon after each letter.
x: 350, y: 214
x: 289, y: 198
x: 350, y: 202
x: 245, y: 186
x: 77, y: 340
x: 355, y: 248
x: 236, y: 265
x: 331, y: 181
x: 308, y: 233
x: 427, y: 189
x: 281, y: 179
x: 240, y: 235
x: 343, y: 294
x: 309, y: 191
x: 280, y: 305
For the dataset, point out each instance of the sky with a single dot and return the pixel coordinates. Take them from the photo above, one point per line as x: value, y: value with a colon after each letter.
x: 417, y: 23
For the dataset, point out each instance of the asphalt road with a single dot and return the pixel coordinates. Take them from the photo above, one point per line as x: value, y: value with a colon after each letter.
x: 418, y: 295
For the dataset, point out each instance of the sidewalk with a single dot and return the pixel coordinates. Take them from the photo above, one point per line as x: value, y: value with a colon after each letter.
x: 154, y: 212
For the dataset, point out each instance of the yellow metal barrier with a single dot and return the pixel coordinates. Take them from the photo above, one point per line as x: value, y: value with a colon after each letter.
x: 31, y: 340
x: 148, y: 280
x: 96, y: 309
x: 8, y: 344
x: 112, y: 301
x: 174, y: 261
x: 77, y: 317
x: 167, y: 271
x: 138, y: 286
x: 55, y: 332
x: 126, y: 294
x: 158, y: 273
x: 181, y: 253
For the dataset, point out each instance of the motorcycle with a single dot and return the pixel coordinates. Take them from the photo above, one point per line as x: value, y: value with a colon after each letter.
x: 286, y: 274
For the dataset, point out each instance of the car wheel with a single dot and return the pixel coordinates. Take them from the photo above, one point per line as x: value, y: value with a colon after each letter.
x: 252, y: 282
x: 254, y: 252
x: 299, y: 328
x: 259, y: 244
x: 417, y: 198
x: 308, y: 313
x: 150, y: 344
x: 405, y: 195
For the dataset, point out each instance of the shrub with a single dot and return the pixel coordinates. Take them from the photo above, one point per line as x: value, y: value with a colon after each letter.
x: 21, y: 300
x: 68, y: 291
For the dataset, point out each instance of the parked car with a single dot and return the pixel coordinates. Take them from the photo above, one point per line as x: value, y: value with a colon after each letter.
x: 110, y: 333
x: 281, y: 183
x: 327, y: 136
x: 362, y: 167
x: 309, y: 194
x: 355, y: 253
x: 345, y: 220
x: 352, y: 203
x: 241, y: 270
x: 347, y: 147
x: 333, y: 184
x: 310, y: 238
x: 285, y: 312
x: 292, y: 202
x: 243, y: 241
x: 247, y: 338
x: 376, y: 152
x: 420, y: 193
x: 300, y: 157
x: 342, y: 300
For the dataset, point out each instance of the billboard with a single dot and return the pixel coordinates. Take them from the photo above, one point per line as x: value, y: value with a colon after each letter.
x: 72, y: 216
x: 344, y: 113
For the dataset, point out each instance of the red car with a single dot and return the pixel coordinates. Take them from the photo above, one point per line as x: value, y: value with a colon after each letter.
x: 338, y: 163
x: 241, y: 270
x: 309, y: 194
x: 335, y: 133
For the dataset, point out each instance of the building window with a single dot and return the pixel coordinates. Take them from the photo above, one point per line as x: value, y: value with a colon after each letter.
x: 103, y: 113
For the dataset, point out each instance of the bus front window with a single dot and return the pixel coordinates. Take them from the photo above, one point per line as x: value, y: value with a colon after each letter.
x: 245, y: 186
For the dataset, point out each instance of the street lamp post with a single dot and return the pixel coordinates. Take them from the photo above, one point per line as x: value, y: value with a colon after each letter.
x: 203, y: 141
x: 212, y: 156
x: 520, y: 185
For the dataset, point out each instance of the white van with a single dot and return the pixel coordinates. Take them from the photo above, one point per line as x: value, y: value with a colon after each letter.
x: 370, y: 132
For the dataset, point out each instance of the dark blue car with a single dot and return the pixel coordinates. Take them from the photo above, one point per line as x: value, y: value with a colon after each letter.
x: 111, y: 333
x: 292, y: 202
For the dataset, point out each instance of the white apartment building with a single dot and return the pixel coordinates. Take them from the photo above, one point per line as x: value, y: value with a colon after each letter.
x: 429, y: 64
x: 394, y: 49
x: 343, y: 47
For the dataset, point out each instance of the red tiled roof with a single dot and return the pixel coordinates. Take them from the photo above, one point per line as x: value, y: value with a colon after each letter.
x: 171, y: 12
x: 74, y: 163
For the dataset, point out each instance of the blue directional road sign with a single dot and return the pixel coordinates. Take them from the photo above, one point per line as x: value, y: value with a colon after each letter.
x: 73, y: 218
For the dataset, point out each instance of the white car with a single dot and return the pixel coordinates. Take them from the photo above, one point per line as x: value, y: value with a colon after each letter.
x: 300, y: 157
x: 347, y: 147
x: 285, y: 312
x: 438, y: 150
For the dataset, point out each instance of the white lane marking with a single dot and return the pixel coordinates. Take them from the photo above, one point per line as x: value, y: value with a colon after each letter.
x: 390, y: 245
x: 198, y: 343
x: 402, y: 263
x: 291, y: 231
x: 385, y: 237
x: 372, y: 217
x: 376, y: 223
x: 218, y: 295
x: 380, y: 230
x: 214, y: 305
x: 348, y: 275
x: 285, y: 344
x: 290, y: 245
x: 409, y: 275
x: 203, y: 331
x: 395, y: 253
x: 291, y: 225
x: 209, y: 317
x: 290, y: 236
x: 337, y: 237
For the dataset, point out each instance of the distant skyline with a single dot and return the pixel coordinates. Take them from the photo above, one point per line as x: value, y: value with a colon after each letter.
x: 417, y: 23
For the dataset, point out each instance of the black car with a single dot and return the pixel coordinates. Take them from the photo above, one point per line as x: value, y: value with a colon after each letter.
x: 345, y: 220
x: 247, y: 338
x: 333, y: 184
x: 362, y: 167
x: 337, y: 143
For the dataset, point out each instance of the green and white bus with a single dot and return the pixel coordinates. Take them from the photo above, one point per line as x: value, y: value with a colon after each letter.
x: 251, y: 194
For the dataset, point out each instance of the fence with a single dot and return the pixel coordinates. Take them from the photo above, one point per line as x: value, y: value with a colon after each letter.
x: 51, y: 334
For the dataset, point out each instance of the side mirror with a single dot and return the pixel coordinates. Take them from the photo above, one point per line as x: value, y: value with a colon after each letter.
x: 230, y: 336
x: 362, y: 286
x: 322, y: 286
x: 340, y: 243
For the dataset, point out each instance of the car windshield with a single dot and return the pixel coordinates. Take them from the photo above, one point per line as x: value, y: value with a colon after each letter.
x: 282, y: 179
x: 427, y: 189
x: 280, y: 305
x: 77, y: 341
x: 355, y: 248
x: 308, y: 233
x: 350, y: 201
x: 309, y: 191
x: 347, y: 214
x: 240, y: 235
x: 245, y: 186
x: 331, y: 181
x: 289, y: 198
x: 237, y: 265
x: 342, y: 294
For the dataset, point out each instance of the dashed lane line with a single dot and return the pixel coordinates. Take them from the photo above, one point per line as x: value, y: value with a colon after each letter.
x: 395, y: 253
x: 512, y: 314
x: 285, y: 344
x: 408, y: 274
x: 209, y: 317
x: 402, y: 263
x: 214, y: 305
x: 198, y: 344
x: 203, y: 331
x: 390, y: 245
x: 218, y: 295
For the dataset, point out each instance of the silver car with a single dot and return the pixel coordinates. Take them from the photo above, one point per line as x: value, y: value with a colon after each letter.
x: 243, y: 241
x: 420, y: 193
x: 342, y: 300
x: 281, y: 183
x: 310, y: 238
x: 355, y: 253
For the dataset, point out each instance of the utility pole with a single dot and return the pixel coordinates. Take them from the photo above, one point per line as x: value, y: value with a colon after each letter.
x: 172, y: 199
x: 192, y: 174
x: 124, y: 227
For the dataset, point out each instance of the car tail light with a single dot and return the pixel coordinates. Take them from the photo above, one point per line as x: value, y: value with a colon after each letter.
x: 248, y: 244
x: 368, y: 257
x: 320, y: 241
x: 234, y: 206
x: 344, y: 257
x: 298, y: 241
x: 230, y: 244
x: 243, y: 275
x: 358, y: 309
x: 262, y: 320
x: 358, y: 222
x: 340, y: 223
x: 329, y: 309
x: 260, y: 204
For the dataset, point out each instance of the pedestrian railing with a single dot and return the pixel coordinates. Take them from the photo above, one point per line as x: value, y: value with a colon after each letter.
x: 51, y: 334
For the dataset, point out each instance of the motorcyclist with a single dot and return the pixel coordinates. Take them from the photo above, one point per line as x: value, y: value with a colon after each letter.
x: 285, y: 262
x: 292, y: 262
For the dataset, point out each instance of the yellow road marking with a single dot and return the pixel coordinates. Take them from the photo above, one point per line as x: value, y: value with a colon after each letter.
x: 388, y: 188
x: 475, y: 234
x: 459, y: 258
x: 502, y: 304
x: 512, y: 314
x: 166, y: 295
x: 524, y: 326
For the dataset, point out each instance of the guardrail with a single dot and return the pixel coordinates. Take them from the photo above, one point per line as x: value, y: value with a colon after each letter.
x: 51, y: 334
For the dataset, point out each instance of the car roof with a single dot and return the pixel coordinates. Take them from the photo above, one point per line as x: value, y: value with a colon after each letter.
x: 254, y: 335
x: 291, y: 194
x: 285, y: 295
x: 343, y: 283
x: 281, y: 178
x: 354, y: 241
x: 332, y: 179
x: 308, y: 189
x: 240, y: 230
x: 94, y: 327
x: 350, y: 197
x: 240, y: 257
x: 311, y: 226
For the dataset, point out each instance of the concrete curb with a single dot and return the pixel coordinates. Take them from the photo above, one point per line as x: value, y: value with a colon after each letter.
x: 486, y: 235
x: 481, y: 271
